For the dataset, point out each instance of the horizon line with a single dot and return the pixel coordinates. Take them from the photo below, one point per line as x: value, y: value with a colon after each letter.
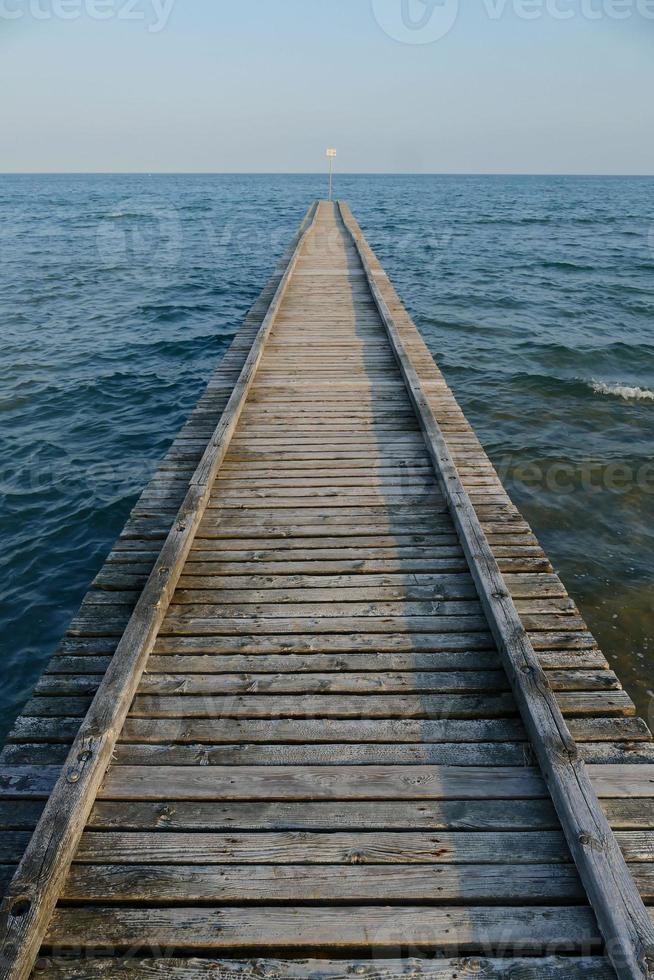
x: 315, y: 173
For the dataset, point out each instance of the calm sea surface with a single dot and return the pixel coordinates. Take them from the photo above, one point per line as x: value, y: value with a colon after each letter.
x: 118, y: 295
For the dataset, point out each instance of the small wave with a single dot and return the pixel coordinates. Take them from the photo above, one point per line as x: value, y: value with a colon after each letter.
x: 628, y: 392
x: 566, y: 266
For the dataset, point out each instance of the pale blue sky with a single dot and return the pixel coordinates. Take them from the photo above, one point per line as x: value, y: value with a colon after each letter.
x: 266, y: 85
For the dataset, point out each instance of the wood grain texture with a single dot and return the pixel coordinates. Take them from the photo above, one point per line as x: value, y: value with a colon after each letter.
x: 380, y: 930
x: 549, y: 968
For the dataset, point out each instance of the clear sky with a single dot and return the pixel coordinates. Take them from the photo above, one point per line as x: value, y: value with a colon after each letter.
x: 538, y: 86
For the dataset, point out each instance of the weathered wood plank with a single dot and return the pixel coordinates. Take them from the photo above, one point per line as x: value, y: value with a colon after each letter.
x: 179, y: 623
x: 344, y: 683
x: 584, y: 660
x: 307, y: 643
x: 327, y: 754
x: 431, y: 816
x: 473, y: 929
x: 388, y: 682
x: 398, y: 731
x: 160, y: 752
x: 380, y: 782
x: 354, y: 706
x: 154, y: 883
x: 550, y: 968
x: 325, y: 706
x: 478, y: 815
x: 304, y: 731
x: 315, y: 848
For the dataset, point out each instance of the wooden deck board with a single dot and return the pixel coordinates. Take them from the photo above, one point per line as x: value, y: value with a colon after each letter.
x: 324, y: 717
x: 549, y: 968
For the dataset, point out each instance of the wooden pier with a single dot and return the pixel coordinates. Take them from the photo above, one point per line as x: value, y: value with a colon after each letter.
x: 327, y: 711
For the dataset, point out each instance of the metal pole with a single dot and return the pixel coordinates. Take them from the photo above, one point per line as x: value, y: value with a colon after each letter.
x: 331, y: 153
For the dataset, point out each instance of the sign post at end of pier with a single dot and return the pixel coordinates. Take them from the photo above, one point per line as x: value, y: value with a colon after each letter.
x: 331, y: 153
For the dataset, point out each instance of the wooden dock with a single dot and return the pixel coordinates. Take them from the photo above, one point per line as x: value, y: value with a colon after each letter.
x: 327, y: 711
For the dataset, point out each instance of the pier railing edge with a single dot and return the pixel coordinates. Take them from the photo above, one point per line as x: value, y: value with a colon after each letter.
x: 613, y: 894
x: 34, y: 890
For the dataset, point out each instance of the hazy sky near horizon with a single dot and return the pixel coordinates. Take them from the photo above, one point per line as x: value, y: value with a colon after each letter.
x: 266, y: 85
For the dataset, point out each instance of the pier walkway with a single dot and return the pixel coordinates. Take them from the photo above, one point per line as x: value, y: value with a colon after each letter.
x: 327, y: 711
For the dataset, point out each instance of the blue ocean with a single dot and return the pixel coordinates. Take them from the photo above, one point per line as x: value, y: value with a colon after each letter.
x: 119, y: 294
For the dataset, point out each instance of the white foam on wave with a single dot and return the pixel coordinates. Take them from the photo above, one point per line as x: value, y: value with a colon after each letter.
x: 628, y: 392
